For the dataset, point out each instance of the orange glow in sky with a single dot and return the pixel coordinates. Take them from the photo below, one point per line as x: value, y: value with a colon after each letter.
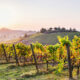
x: 35, y: 14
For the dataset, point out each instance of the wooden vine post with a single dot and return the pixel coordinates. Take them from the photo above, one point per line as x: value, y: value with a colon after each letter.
x: 69, y: 61
x: 34, y: 58
x: 78, y: 67
x: 4, y: 53
x: 47, y: 64
x: 17, y: 62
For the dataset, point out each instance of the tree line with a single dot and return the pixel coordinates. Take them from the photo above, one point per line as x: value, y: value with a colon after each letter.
x: 57, y: 29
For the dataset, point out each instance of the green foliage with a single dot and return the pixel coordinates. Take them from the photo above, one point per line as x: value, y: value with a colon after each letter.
x: 64, y: 41
x: 21, y: 49
x: 38, y: 46
x: 53, y: 48
x: 60, y: 67
x: 56, y: 53
x: 9, y: 49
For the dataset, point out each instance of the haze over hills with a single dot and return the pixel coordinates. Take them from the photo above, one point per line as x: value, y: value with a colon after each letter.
x: 16, y: 36
x: 8, y: 34
x: 49, y: 39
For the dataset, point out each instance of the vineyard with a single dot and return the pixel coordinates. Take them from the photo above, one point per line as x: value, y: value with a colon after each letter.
x: 64, y: 55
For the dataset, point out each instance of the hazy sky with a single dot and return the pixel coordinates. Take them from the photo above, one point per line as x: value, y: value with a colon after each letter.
x: 35, y: 14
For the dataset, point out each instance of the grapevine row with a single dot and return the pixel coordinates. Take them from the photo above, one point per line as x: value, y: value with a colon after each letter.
x: 64, y: 52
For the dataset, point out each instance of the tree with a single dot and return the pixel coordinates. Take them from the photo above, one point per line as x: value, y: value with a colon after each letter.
x: 50, y: 29
x: 70, y: 29
x: 43, y: 30
x: 55, y: 29
x: 74, y: 30
x: 63, y: 29
x: 59, y: 28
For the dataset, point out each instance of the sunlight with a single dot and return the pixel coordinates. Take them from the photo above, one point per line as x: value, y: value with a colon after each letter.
x: 7, y: 15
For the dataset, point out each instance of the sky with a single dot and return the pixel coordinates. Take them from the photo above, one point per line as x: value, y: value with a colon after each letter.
x: 35, y: 14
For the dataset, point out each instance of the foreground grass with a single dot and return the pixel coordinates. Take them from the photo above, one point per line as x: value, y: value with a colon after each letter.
x: 28, y: 72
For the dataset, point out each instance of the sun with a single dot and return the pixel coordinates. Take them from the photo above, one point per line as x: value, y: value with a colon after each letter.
x: 7, y: 15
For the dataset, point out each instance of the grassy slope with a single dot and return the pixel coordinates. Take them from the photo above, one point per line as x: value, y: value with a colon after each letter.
x: 7, y: 73
x: 50, y: 38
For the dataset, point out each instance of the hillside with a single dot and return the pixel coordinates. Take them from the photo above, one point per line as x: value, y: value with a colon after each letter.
x: 48, y: 38
x: 8, y: 34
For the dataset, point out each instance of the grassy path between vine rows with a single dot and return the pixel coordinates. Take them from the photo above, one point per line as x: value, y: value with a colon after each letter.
x: 28, y: 72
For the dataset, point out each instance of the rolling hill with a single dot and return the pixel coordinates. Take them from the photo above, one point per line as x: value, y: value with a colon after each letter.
x: 48, y: 38
x: 8, y: 34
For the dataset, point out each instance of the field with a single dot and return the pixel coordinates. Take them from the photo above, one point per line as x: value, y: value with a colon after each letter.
x: 41, y: 62
x: 39, y: 39
x: 49, y: 38
x: 28, y: 72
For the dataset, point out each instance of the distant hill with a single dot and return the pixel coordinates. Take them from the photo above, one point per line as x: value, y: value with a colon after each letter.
x: 48, y: 38
x: 8, y: 34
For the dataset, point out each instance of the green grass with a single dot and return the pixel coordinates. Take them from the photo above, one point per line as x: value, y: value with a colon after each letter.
x: 29, y: 72
x: 50, y: 38
x: 43, y: 38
